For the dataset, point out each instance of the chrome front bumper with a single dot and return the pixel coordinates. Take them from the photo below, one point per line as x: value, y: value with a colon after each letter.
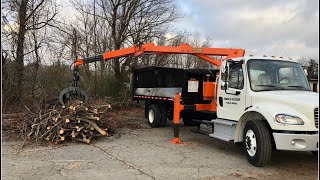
x: 296, y: 142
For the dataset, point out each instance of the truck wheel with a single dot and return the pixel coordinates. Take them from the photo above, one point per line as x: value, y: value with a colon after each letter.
x: 257, y: 143
x: 164, y: 115
x: 189, y: 122
x: 154, y: 116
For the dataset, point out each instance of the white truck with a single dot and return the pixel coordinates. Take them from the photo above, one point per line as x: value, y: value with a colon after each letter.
x: 274, y: 105
x: 262, y: 103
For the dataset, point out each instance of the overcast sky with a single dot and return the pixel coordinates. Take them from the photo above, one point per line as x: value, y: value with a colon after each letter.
x: 262, y: 27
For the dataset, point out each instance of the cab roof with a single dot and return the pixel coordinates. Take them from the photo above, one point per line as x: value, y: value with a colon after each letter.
x: 246, y: 58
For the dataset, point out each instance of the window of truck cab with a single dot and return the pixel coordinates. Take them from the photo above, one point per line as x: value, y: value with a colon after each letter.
x: 270, y: 75
x: 235, y: 78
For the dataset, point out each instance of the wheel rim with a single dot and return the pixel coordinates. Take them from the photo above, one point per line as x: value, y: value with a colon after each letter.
x: 251, y: 143
x: 151, y: 116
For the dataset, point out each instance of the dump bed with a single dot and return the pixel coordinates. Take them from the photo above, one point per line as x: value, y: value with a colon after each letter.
x: 164, y: 83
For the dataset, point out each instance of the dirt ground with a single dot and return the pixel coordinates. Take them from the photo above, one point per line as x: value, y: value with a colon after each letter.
x: 139, y: 152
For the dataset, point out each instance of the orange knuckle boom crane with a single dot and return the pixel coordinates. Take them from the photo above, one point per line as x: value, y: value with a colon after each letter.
x: 255, y: 101
x: 202, y: 53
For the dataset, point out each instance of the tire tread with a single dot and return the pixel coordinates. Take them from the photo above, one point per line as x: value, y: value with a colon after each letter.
x: 265, y: 144
x: 164, y: 115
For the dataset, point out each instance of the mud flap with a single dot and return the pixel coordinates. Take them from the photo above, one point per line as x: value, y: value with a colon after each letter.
x: 69, y: 92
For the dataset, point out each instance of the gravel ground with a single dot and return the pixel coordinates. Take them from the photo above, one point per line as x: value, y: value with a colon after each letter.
x: 146, y: 153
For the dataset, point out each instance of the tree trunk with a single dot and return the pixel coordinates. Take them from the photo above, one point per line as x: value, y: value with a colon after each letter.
x: 37, y: 63
x: 116, y: 65
x: 18, y: 64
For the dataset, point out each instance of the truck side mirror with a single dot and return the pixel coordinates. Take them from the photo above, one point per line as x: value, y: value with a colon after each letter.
x: 224, y: 72
x: 226, y: 77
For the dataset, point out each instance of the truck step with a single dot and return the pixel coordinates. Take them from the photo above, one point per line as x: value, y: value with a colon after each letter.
x: 223, y: 129
x: 200, y: 131
x: 205, y: 129
x: 202, y: 121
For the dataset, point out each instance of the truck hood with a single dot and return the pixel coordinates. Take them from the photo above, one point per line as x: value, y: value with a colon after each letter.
x: 291, y: 98
x: 296, y: 103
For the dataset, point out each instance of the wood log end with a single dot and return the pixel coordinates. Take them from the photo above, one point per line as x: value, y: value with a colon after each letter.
x: 103, y: 132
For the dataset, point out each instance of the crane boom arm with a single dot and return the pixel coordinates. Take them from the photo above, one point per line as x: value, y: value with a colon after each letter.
x: 202, y: 53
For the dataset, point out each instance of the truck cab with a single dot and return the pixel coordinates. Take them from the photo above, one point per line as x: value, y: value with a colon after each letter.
x: 265, y: 102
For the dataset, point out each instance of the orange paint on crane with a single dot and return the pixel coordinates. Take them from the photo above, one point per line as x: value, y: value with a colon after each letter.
x: 202, y: 53
x: 78, y: 62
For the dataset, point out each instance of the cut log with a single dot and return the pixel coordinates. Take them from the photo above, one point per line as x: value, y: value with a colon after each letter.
x: 61, y: 131
x: 74, y: 134
x: 95, y: 126
x: 82, y: 140
x: 62, y: 138
x: 93, y: 118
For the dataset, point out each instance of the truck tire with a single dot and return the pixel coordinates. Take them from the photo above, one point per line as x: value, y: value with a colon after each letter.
x: 154, y: 116
x: 164, y: 115
x: 257, y: 143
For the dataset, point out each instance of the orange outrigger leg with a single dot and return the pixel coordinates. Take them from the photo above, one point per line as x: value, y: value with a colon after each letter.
x: 177, y: 108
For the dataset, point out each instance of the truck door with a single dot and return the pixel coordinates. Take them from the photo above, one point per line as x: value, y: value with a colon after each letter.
x: 231, y: 98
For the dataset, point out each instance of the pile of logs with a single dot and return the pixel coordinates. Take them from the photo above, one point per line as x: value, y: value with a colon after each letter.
x: 77, y: 122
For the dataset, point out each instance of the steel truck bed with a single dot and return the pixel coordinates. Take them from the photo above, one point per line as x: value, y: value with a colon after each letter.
x: 163, y: 83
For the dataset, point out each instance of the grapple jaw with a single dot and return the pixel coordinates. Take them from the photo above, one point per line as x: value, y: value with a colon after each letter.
x: 72, y: 92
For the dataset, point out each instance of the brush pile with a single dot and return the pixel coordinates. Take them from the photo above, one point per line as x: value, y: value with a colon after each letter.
x: 76, y: 122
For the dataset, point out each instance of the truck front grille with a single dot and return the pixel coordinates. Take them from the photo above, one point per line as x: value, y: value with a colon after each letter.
x: 316, y: 116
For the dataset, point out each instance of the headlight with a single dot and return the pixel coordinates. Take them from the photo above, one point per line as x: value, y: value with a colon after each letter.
x: 288, y: 120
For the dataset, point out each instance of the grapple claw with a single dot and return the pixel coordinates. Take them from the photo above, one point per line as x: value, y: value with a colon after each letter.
x: 70, y: 92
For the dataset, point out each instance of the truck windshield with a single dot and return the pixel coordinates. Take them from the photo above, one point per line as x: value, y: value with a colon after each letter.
x: 269, y: 75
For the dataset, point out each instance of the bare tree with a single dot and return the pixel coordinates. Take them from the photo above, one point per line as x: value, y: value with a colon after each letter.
x: 22, y: 16
x: 105, y: 25
x: 132, y: 21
